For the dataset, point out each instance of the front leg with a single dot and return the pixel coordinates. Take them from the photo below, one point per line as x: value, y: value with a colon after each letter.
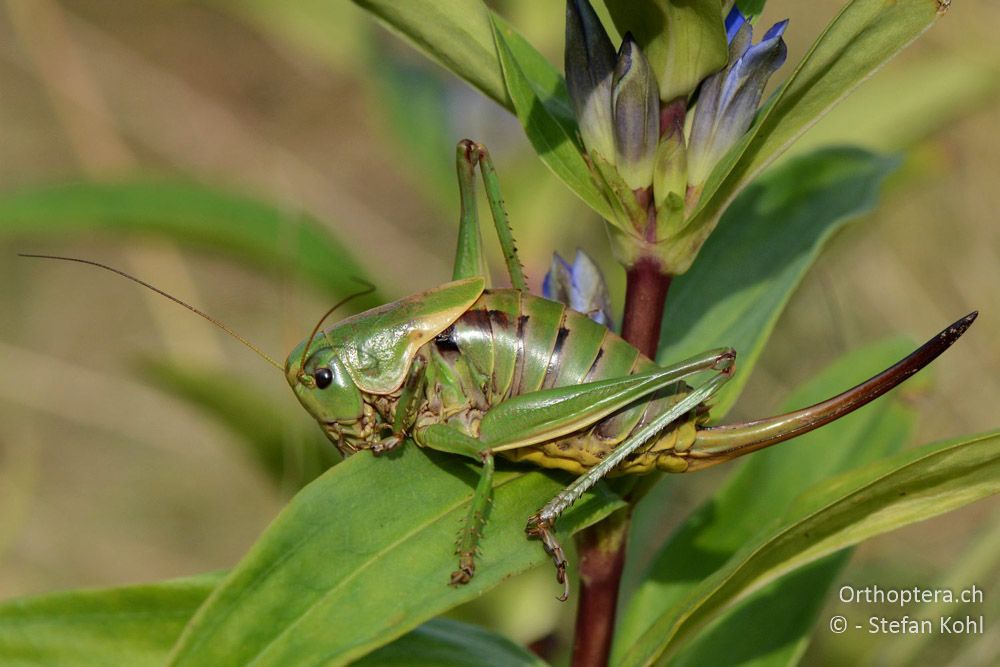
x: 446, y: 439
x: 410, y: 399
x: 387, y: 444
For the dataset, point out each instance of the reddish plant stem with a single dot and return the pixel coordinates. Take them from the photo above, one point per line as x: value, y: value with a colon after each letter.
x: 602, y: 547
x: 672, y: 117
x: 602, y: 557
x: 645, y: 295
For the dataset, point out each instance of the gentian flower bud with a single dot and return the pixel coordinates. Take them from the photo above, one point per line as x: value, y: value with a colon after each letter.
x: 590, y: 64
x: 728, y: 99
x: 635, y: 106
x: 670, y: 176
x: 684, y: 40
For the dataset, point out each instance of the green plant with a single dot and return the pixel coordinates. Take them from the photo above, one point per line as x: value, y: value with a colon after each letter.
x: 315, y: 569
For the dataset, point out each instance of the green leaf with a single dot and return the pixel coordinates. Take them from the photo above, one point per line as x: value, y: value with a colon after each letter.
x: 540, y: 72
x: 443, y: 642
x: 768, y: 239
x: 285, y: 240
x: 865, y: 35
x: 545, y: 114
x: 132, y: 626
x: 979, y: 561
x: 458, y: 35
x: 751, y: 7
x: 842, y: 512
x: 771, y: 627
x: 479, y: 46
x: 364, y: 554
x: 137, y: 625
x: 684, y: 41
x: 454, y: 33
x: 940, y: 90
x: 757, y: 495
x: 291, y: 460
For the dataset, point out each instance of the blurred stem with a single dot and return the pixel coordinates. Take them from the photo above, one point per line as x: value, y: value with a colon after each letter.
x: 602, y: 547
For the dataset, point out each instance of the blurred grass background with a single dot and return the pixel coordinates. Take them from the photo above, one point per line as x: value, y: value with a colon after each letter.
x: 105, y: 479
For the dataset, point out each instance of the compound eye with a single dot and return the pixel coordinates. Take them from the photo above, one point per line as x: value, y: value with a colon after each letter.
x: 323, y: 377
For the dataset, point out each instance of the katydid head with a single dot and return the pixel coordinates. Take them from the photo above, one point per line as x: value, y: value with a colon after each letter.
x: 370, y: 354
x: 324, y: 387
x: 319, y: 379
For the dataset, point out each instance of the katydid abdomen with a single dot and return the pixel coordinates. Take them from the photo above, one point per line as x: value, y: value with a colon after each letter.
x: 510, y: 343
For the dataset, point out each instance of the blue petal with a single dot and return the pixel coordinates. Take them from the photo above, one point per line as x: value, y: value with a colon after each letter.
x: 734, y: 22
x: 547, y: 287
x: 729, y: 99
x: 777, y: 30
x: 589, y: 293
x: 752, y: 70
x: 556, y: 286
x: 581, y: 286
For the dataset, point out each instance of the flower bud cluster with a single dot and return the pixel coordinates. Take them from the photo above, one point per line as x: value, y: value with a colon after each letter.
x: 655, y: 127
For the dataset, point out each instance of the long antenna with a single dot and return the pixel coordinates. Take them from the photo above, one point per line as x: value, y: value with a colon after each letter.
x: 194, y: 310
x: 369, y: 288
